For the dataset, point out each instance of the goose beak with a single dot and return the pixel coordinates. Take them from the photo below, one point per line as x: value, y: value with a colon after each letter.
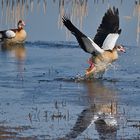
x: 121, y: 49
x: 23, y: 23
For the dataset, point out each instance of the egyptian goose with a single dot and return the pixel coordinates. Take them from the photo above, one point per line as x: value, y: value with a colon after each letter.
x: 103, y: 47
x: 13, y: 36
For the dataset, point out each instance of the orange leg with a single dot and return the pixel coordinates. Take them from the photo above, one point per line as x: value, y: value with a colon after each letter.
x: 91, y: 63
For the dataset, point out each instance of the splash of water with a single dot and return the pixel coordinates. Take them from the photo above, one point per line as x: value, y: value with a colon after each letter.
x: 96, y: 74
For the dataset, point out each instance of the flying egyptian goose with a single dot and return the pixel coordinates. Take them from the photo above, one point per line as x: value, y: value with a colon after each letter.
x: 103, y: 47
x: 13, y: 36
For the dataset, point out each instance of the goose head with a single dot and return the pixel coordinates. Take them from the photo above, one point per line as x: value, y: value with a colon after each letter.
x: 21, y: 24
x: 120, y: 48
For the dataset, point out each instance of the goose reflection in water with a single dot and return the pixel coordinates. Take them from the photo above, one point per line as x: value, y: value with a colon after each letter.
x: 18, y: 52
x: 102, y: 112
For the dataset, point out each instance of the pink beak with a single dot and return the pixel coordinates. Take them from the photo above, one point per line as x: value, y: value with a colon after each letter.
x: 23, y: 23
x: 123, y: 50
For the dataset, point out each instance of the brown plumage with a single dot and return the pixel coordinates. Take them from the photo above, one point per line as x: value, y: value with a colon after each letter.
x: 99, y: 63
x: 13, y: 36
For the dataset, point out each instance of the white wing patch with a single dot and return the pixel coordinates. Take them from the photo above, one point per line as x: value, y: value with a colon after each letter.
x: 110, y: 41
x: 10, y: 34
x: 91, y: 46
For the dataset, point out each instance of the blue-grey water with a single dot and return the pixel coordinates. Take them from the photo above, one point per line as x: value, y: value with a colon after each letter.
x: 41, y: 98
x: 43, y: 95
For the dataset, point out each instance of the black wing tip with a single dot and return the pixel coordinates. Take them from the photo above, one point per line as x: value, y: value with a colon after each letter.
x: 65, y: 19
x: 113, y: 10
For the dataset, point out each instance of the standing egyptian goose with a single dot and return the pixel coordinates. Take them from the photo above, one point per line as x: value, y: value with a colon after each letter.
x: 13, y: 36
x: 103, y: 47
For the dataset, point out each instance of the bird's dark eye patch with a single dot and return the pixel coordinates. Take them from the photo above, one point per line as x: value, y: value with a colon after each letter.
x: 119, y: 47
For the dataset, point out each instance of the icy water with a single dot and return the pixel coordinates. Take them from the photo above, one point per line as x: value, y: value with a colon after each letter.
x: 41, y: 99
